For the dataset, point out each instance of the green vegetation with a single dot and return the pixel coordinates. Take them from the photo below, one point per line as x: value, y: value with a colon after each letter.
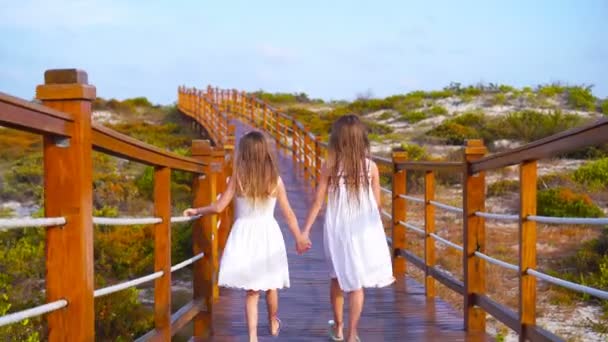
x: 120, y: 188
x: 594, y: 174
x: 551, y: 90
x: 604, y: 107
x: 581, y: 98
x: 562, y: 202
x: 413, y: 117
x: 529, y: 125
x: 502, y: 187
x: 284, y: 98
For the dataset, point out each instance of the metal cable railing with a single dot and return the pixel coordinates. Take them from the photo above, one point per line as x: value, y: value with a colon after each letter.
x: 181, y: 219
x: 386, y: 213
x: 125, y: 221
x: 13, y: 223
x: 33, y: 312
x: 413, y: 227
x: 498, y: 217
x: 568, y: 284
x: 569, y: 220
x: 447, y: 207
x: 412, y: 198
x: 385, y: 190
x: 446, y: 242
x: 122, y: 286
x: 497, y: 261
x: 187, y: 262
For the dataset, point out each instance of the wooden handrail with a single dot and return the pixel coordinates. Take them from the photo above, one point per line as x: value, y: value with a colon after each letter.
x: 560, y: 143
x: 23, y: 115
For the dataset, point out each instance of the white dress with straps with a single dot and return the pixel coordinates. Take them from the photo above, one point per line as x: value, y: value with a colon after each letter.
x: 254, y: 257
x: 355, y: 244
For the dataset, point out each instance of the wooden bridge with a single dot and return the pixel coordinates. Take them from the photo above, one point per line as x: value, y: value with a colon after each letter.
x: 406, y: 311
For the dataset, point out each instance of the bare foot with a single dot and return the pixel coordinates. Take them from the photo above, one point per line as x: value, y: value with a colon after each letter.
x: 274, y: 326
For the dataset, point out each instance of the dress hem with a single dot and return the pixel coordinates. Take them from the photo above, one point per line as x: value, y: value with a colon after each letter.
x: 240, y: 287
x: 376, y: 285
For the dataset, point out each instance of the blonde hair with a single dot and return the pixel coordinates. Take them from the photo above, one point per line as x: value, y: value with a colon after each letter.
x: 255, y: 169
x: 347, y: 157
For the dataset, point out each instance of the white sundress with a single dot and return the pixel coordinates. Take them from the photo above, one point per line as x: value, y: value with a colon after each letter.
x: 254, y: 257
x: 355, y: 244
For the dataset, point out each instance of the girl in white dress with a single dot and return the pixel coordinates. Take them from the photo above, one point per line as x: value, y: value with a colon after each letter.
x: 254, y: 258
x: 355, y: 244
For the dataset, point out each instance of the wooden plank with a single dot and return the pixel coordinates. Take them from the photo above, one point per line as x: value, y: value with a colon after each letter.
x: 527, y: 247
x: 498, y: 311
x: 68, y: 192
x: 429, y: 227
x: 111, y: 142
x: 162, y: 252
x: 185, y: 314
x: 22, y: 115
x: 399, y: 208
x: 589, y: 135
x: 473, y: 239
x: 538, y: 334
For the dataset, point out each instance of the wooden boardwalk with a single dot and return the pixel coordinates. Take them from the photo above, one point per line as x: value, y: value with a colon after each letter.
x: 397, y: 313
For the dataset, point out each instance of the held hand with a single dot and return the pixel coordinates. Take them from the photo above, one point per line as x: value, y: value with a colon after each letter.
x: 190, y: 212
x: 303, y: 243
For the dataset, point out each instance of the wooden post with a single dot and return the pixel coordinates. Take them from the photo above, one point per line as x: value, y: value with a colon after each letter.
x: 264, y: 115
x: 473, y: 238
x: 318, y: 162
x: 527, y: 247
x: 294, y: 143
x: 202, y: 242
x: 277, y: 130
x: 68, y: 192
x: 399, y: 214
x: 429, y: 227
x: 305, y: 154
x: 162, y: 252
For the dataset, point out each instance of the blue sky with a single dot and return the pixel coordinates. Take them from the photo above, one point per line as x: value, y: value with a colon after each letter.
x: 328, y: 49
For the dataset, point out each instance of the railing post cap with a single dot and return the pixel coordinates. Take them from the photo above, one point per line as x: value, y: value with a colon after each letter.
x: 65, y: 76
x: 201, y: 148
x: 65, y: 85
x: 401, y: 155
x: 475, y: 147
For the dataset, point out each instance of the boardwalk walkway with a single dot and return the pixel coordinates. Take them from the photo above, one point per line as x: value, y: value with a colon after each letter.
x: 397, y: 313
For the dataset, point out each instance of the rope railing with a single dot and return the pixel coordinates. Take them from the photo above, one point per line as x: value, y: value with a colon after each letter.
x: 413, y: 227
x: 182, y: 219
x: 446, y: 242
x: 33, y: 312
x: 569, y: 285
x: 496, y: 261
x: 386, y: 213
x: 187, y: 262
x: 131, y: 283
x: 412, y: 198
x: 447, y: 207
x: 125, y: 221
x: 385, y: 190
x: 569, y: 220
x: 498, y: 217
x: 13, y: 223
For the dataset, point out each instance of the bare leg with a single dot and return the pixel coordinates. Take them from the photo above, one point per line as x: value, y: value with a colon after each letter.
x: 337, y: 304
x: 272, y: 303
x: 355, y: 299
x: 251, y: 311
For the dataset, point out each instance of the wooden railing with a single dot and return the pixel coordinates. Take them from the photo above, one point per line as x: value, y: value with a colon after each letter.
x: 64, y: 121
x: 308, y: 152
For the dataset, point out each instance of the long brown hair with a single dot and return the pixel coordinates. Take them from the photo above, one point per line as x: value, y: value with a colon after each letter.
x: 348, y: 151
x: 255, y: 168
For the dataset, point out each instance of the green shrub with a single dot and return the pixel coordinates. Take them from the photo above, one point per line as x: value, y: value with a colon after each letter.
x: 604, y: 107
x: 386, y: 116
x: 438, y: 110
x: 364, y: 106
x: 454, y: 133
x: 499, y: 99
x: 466, y: 98
x: 414, y: 152
x: 551, y: 90
x: 562, y: 202
x: 581, y: 98
x: 503, y: 88
x: 23, y: 181
x: 502, y: 187
x: 440, y: 94
x: 377, y: 128
x: 593, y: 174
x: 529, y: 125
x: 413, y: 117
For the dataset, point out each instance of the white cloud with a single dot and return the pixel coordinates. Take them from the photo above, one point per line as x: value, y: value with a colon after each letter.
x: 61, y: 14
